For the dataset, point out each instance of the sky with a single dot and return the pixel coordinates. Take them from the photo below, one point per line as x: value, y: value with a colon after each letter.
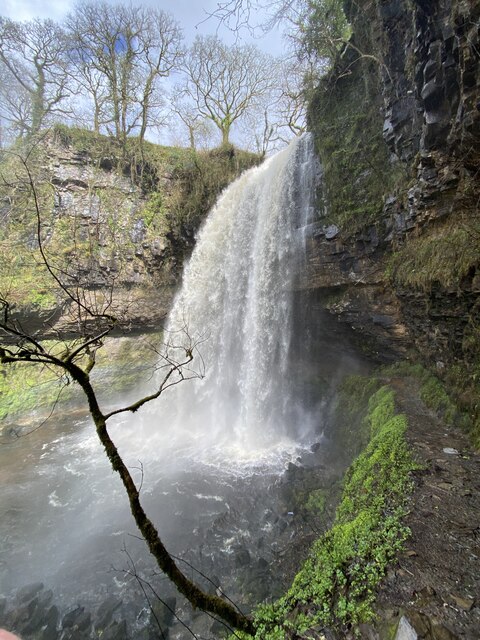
x: 190, y: 14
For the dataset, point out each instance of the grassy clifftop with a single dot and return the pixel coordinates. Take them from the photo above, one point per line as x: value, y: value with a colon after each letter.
x: 107, y: 214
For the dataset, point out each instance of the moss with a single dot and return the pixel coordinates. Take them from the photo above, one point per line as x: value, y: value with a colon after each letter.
x: 336, y: 586
x: 316, y: 502
x: 179, y: 187
x: 460, y: 405
x: 344, y: 112
x: 25, y: 388
x: 351, y: 430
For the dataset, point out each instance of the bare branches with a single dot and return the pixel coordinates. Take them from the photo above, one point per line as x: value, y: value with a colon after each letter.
x: 224, y: 82
x: 174, y: 376
x: 147, y: 585
x: 120, y: 52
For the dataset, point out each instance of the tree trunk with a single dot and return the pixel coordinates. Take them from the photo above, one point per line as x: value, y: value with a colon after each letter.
x: 225, y: 135
x: 38, y: 102
x: 198, y: 598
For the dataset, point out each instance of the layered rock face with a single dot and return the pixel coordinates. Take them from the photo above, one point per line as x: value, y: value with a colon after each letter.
x: 117, y: 228
x: 115, y: 252
x: 406, y: 277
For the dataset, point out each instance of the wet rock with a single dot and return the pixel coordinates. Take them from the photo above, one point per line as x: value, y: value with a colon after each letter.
x: 21, y: 616
x: 29, y: 591
x: 137, y: 234
x: 242, y: 557
x: 74, y: 634
x: 331, y: 232
x: 218, y: 629
x: 105, y: 612
x: 39, y: 615
x: 163, y: 613
x: 368, y: 632
x: 78, y: 619
x: 50, y: 631
x: 116, y: 631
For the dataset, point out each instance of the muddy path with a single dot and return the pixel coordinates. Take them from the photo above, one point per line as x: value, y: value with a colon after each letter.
x: 436, y: 583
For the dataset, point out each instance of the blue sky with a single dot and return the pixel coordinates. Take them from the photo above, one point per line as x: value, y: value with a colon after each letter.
x: 190, y: 14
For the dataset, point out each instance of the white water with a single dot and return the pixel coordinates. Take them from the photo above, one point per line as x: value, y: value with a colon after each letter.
x: 236, y: 307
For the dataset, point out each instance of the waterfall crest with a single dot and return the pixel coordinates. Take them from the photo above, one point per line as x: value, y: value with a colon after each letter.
x: 236, y: 304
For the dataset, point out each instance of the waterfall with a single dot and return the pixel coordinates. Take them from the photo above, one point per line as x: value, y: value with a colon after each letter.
x: 235, y: 304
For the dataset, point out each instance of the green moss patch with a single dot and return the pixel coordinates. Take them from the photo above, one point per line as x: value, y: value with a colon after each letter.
x: 344, y: 113
x: 121, y: 364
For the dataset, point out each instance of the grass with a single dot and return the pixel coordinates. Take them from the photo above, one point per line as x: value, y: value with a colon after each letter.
x: 29, y: 389
x: 444, y: 256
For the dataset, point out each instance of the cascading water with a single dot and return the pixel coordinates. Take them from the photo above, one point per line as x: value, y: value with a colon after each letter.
x: 211, y: 450
x: 236, y: 305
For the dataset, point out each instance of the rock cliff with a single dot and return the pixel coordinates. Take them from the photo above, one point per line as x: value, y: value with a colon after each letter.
x: 116, y: 228
x: 395, y: 253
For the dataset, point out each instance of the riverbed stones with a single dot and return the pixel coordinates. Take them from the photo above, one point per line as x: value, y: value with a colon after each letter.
x: 25, y: 594
x: 116, y: 631
x: 105, y: 612
x: 163, y: 613
x: 78, y: 618
x: 242, y: 556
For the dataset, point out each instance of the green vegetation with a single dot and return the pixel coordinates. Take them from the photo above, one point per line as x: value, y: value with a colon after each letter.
x: 324, y: 30
x: 344, y: 113
x: 29, y: 389
x: 180, y: 185
x: 444, y: 256
x: 352, y: 430
x: 336, y: 586
x: 198, y: 181
x: 26, y: 388
x: 464, y: 411
x: 316, y: 502
x: 107, y: 229
x: 432, y: 392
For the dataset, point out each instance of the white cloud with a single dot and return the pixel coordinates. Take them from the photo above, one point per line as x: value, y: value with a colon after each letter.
x: 29, y: 9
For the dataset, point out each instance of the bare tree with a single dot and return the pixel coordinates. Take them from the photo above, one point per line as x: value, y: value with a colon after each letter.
x: 121, y: 52
x: 88, y: 79
x: 224, y: 82
x: 33, y: 62
x: 18, y: 345
x: 198, y: 128
x: 280, y: 114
